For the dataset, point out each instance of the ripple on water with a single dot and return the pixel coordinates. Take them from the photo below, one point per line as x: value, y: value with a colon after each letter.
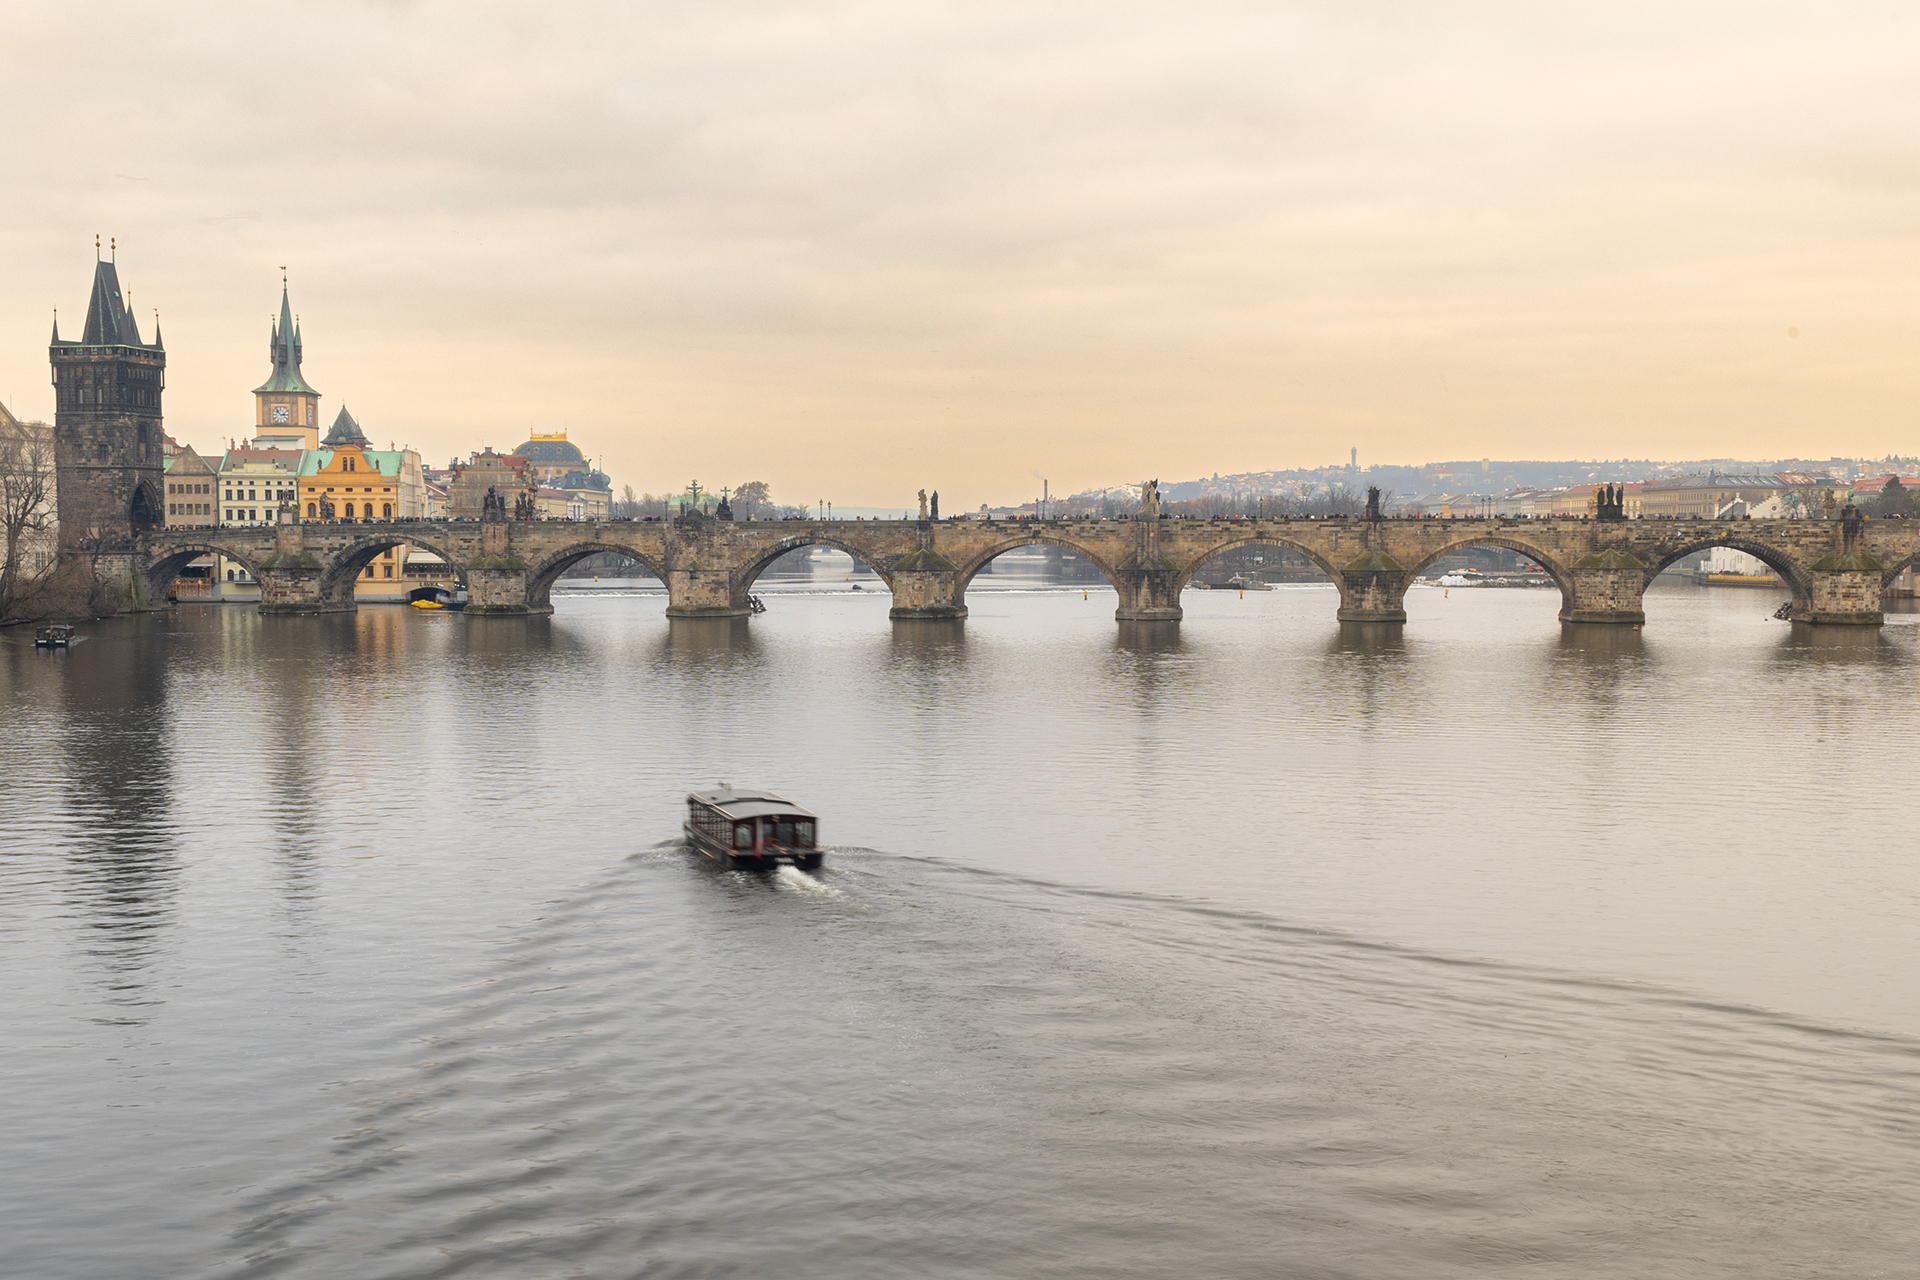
x: 353, y: 956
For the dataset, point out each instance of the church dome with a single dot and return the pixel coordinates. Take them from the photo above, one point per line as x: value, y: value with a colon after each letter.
x: 549, y: 449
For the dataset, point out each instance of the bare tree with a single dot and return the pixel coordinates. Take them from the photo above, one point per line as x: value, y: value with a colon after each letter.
x: 752, y: 499
x: 26, y: 509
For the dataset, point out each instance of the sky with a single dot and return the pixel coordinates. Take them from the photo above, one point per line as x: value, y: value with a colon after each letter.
x: 858, y: 249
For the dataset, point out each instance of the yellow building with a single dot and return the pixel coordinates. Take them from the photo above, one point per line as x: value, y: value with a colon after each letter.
x: 346, y: 479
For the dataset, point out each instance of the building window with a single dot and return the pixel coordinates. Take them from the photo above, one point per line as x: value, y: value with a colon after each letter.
x: 230, y: 576
x: 369, y: 571
x: 386, y: 513
x: 388, y: 553
x: 312, y: 510
x: 389, y: 569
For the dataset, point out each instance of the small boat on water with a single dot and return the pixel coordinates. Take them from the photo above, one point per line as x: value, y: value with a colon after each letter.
x: 1247, y: 582
x: 754, y: 830
x: 1463, y: 578
x: 57, y: 635
x: 428, y: 604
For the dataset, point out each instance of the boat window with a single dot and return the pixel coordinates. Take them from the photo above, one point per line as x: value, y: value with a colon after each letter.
x: 743, y: 835
x: 783, y: 833
x: 803, y: 833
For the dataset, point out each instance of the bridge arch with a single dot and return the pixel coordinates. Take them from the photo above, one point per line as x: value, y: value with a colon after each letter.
x: 1791, y: 571
x: 1237, y: 541
x: 1562, y: 574
x: 343, y: 568
x: 744, y: 576
x: 542, y: 576
x: 163, y: 569
x: 1035, y: 538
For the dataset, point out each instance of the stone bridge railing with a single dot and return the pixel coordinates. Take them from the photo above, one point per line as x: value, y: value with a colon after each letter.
x: 1836, y: 569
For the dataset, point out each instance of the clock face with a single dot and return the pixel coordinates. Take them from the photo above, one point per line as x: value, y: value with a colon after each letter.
x: 280, y: 413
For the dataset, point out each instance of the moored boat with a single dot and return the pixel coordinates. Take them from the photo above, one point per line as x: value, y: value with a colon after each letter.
x: 752, y: 829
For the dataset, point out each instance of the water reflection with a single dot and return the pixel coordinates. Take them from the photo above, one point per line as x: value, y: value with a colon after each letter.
x: 123, y: 860
x: 1601, y: 645
x: 702, y: 639
x: 922, y: 644
x: 1143, y: 638
x: 1842, y: 645
x: 289, y: 792
x: 1369, y: 638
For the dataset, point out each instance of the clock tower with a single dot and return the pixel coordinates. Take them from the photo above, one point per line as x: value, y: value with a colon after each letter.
x: 284, y: 405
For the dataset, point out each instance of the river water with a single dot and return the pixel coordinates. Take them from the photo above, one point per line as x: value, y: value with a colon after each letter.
x: 363, y: 946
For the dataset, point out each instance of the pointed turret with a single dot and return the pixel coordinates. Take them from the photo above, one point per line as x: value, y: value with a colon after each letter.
x: 109, y: 324
x: 345, y: 431
x: 56, y: 326
x: 285, y: 350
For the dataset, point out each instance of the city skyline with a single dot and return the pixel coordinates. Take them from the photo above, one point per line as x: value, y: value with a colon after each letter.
x: 874, y: 250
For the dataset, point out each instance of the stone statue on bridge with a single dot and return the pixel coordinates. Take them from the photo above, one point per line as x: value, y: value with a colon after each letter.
x: 1150, y: 500
x: 934, y: 505
x: 923, y: 504
x: 492, y: 506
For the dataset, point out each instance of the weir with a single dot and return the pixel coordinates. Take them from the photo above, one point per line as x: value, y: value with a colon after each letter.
x: 1837, y: 569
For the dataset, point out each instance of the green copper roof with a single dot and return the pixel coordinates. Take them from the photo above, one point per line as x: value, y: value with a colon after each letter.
x: 385, y: 463
x: 285, y: 350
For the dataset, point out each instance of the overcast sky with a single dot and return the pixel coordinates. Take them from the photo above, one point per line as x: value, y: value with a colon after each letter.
x: 857, y: 249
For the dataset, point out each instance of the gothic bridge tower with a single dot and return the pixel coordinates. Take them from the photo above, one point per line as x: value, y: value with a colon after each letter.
x: 106, y: 423
x: 284, y: 404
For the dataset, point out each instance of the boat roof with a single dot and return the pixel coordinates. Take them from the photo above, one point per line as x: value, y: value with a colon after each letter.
x: 740, y: 803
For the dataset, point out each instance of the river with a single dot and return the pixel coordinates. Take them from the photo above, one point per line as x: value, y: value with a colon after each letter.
x: 363, y: 945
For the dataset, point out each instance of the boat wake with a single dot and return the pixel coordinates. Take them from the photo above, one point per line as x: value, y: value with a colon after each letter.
x: 789, y: 877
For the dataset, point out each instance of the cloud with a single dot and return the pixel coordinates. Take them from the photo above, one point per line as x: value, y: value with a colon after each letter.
x: 861, y: 248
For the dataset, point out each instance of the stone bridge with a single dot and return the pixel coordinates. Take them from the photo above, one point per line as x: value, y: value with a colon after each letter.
x: 1836, y: 569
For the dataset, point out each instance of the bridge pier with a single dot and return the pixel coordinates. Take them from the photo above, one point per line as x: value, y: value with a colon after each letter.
x: 1373, y: 588
x: 292, y: 580
x: 695, y: 592
x: 1607, y: 588
x: 290, y: 584
x: 926, y: 585
x: 1148, y: 594
x: 498, y: 585
x: 1844, y: 589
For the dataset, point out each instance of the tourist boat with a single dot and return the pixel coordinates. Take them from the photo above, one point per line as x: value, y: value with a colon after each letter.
x: 56, y: 636
x: 1247, y: 582
x: 1463, y: 578
x: 752, y: 829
